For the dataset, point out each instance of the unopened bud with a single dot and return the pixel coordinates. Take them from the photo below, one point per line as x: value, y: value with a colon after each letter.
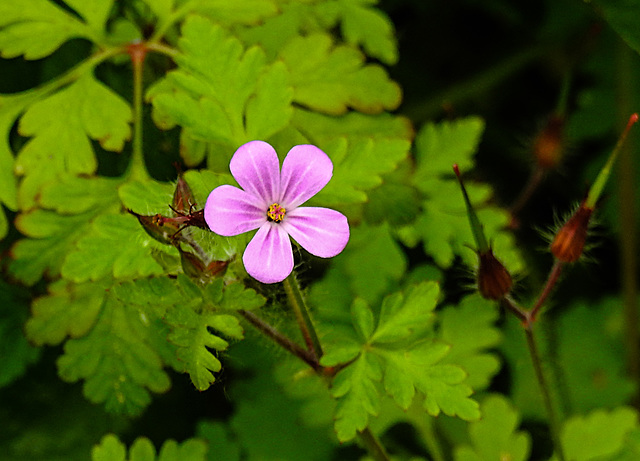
x: 494, y: 281
x: 548, y: 146
x: 157, y: 228
x: 183, y: 200
x: 568, y: 244
x: 195, y: 267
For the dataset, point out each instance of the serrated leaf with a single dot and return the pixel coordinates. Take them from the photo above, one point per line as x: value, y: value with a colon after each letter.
x: 356, y: 390
x: 470, y: 330
x: 61, y: 128
x: 332, y: 79
x: 495, y: 436
x: 111, y: 448
x: 148, y: 197
x: 191, y: 333
x: 443, y: 226
x: 221, y: 92
x: 37, y: 28
x: 408, y: 315
x: 359, y: 165
x: 95, y: 258
x: 116, y: 360
x: 406, y: 362
x: 363, y: 25
x: 68, y: 310
x: 599, y: 435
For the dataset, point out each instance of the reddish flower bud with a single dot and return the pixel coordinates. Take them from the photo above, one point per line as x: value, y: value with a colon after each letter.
x: 548, y: 146
x: 183, y: 199
x: 155, y: 226
x: 568, y: 244
x: 494, y: 281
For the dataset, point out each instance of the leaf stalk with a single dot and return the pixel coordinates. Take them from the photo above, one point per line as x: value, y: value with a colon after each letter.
x: 297, y: 303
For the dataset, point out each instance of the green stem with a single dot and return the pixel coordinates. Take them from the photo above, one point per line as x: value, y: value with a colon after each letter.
x: 554, y: 427
x: 164, y: 26
x: 424, y: 425
x: 292, y: 288
x: 628, y: 228
x: 373, y: 445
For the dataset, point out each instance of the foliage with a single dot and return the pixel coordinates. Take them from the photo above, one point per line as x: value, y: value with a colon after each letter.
x: 118, y: 304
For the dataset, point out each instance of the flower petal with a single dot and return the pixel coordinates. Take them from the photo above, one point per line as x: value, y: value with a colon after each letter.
x: 305, y: 171
x: 256, y: 167
x: 232, y: 211
x: 321, y: 231
x: 268, y: 257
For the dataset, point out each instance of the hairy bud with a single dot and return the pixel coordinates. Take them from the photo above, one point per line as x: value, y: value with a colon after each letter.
x: 568, y: 244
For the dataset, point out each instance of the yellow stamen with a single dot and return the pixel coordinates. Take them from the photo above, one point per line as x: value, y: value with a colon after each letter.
x: 276, y: 213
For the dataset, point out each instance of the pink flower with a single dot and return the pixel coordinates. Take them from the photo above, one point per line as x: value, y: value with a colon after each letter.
x: 270, y: 201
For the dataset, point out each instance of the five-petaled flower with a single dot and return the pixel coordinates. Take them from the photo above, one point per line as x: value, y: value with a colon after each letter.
x: 270, y: 201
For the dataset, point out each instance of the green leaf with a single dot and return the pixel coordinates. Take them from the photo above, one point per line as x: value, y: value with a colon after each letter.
x: 443, y: 226
x: 117, y: 359
x: 61, y: 128
x: 495, y: 436
x: 620, y: 16
x: 17, y: 354
x: 37, y: 28
x: 470, y: 330
x: 599, y: 435
x: 68, y: 310
x: 359, y: 165
x: 245, y: 12
x: 191, y: 334
x: 220, y: 91
x: 111, y: 448
x: 356, y: 390
x: 53, y: 233
x: 363, y: 25
x: 94, y: 257
x: 332, y: 79
x: 401, y: 353
x: 407, y: 315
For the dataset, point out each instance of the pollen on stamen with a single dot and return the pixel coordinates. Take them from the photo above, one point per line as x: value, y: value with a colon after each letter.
x: 276, y: 213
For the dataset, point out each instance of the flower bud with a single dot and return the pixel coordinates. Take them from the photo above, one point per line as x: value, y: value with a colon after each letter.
x: 157, y: 228
x: 494, y: 281
x: 568, y: 244
x: 183, y: 200
x: 548, y: 146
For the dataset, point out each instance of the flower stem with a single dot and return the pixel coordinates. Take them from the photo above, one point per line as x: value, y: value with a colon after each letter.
x: 554, y: 427
x: 373, y: 445
x: 552, y: 279
x: 269, y: 331
x: 301, y: 312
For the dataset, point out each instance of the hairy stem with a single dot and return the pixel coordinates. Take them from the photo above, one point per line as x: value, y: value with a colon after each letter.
x: 292, y: 288
x: 373, y: 445
x: 628, y: 227
x: 554, y: 426
x: 282, y: 340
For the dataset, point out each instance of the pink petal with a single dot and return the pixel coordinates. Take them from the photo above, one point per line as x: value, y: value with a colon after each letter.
x: 268, y: 257
x: 321, y: 231
x: 256, y: 167
x: 232, y: 211
x: 305, y: 171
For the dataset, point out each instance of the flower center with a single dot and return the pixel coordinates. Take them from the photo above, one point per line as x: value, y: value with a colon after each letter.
x: 276, y: 213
